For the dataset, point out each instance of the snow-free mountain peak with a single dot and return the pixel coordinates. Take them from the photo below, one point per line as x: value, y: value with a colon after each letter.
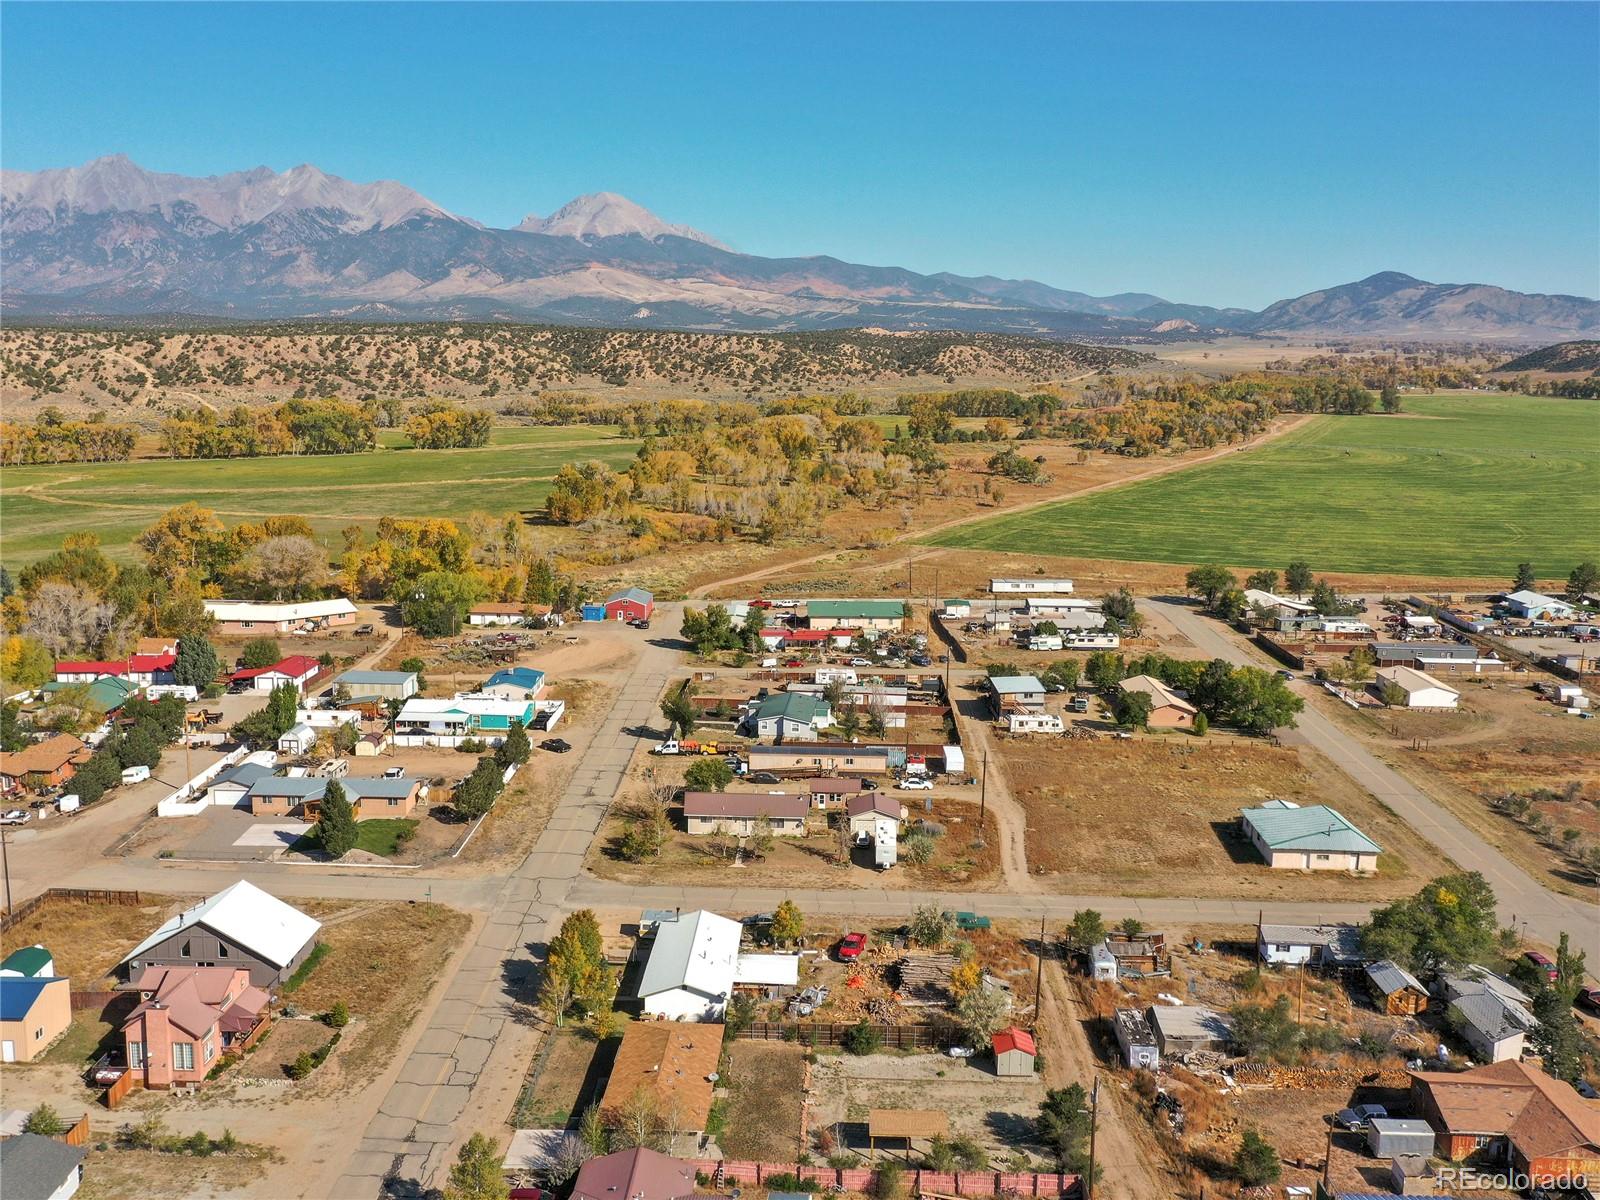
x: 606, y: 214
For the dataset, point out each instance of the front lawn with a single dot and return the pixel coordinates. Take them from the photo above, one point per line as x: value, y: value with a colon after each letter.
x: 383, y: 835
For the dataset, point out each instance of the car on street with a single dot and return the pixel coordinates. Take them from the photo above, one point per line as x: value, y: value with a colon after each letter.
x: 555, y: 745
x: 17, y: 816
x: 1541, y: 964
x: 860, y: 662
x: 764, y: 777
x: 1359, y: 1116
x: 915, y: 783
x: 851, y: 945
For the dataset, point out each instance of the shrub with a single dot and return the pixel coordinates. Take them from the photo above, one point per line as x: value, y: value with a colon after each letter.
x: 890, y: 1183
x: 862, y: 1038
x: 45, y: 1121
x: 302, y: 1066
x: 339, y: 1015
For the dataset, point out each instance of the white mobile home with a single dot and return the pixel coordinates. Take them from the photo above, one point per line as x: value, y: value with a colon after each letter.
x: 690, y: 971
x: 1026, y: 585
x: 1421, y: 690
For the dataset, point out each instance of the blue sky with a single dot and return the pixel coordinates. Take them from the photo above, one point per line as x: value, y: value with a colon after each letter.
x: 1209, y: 153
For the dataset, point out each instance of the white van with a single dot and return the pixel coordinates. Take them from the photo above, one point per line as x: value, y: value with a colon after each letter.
x: 135, y: 774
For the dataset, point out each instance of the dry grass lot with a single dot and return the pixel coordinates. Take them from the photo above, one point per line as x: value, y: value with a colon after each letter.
x: 554, y: 1098
x: 280, y: 1046
x: 1158, y: 816
x: 88, y: 940
x: 766, y: 1084
x: 1505, y: 739
x: 117, y: 1174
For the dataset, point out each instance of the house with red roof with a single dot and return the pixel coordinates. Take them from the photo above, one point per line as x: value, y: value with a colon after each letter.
x: 139, y: 669
x: 1014, y: 1052
x: 298, y: 670
x: 185, y: 1018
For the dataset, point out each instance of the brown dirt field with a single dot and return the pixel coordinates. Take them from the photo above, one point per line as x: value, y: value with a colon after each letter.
x: 558, y: 1092
x: 766, y: 1084
x: 382, y: 964
x: 1148, y: 816
x: 1505, y: 739
x: 280, y: 1046
x: 116, y: 1174
x: 89, y: 940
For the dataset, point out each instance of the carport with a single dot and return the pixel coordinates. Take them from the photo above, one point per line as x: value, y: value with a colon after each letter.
x: 906, y: 1124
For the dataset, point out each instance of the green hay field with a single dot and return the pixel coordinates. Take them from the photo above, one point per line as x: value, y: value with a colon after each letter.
x: 41, y: 505
x: 1462, y: 484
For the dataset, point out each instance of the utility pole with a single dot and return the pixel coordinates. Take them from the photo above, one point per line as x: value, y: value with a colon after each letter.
x: 983, y: 794
x: 5, y: 858
x: 1327, y: 1162
x: 1038, y: 980
x: 1094, y: 1124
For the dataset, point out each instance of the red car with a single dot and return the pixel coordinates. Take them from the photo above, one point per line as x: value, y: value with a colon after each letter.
x: 1541, y: 963
x: 761, y: 604
x: 794, y: 662
x: 851, y: 946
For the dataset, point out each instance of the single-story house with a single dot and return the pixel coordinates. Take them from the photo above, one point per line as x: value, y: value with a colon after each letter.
x: 297, y: 739
x: 141, y: 670
x: 1188, y: 1028
x: 298, y: 670
x: 956, y: 610
x: 637, y: 1174
x: 36, y: 1167
x: 874, y: 820
x: 674, y: 1064
x: 790, y: 716
x: 1050, y: 607
x: 826, y: 756
x: 1144, y: 954
x: 1010, y: 692
x: 1136, y: 1039
x: 1313, y: 837
x: 1275, y: 605
x: 883, y: 616
x: 1309, y: 945
x: 185, y: 1018
x: 1395, y: 990
x: 825, y: 790
x: 1023, y: 586
x: 739, y: 813
x: 385, y: 685
x: 496, y: 613
x: 515, y: 683
x: 108, y: 693
x: 46, y: 764
x: 240, y: 925
x: 630, y: 604
x: 1488, y: 1025
x: 1474, y: 979
x: 424, y: 722
x: 1511, y: 1114
x: 689, y: 972
x: 233, y: 785
x: 1536, y: 606
x: 34, y: 1011
x: 1014, y: 1053
x: 1421, y: 689
x: 1168, y: 710
x: 301, y: 796
x: 237, y: 618
x: 1450, y: 658
x: 1082, y: 621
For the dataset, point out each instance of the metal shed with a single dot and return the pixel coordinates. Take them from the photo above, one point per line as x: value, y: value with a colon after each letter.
x: 1388, y: 1137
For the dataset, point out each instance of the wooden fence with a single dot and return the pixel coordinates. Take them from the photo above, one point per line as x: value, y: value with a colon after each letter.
x: 931, y: 1036
x: 125, y: 1083
x: 78, y: 1135
x: 920, y: 1182
x: 97, y: 1001
x: 65, y: 895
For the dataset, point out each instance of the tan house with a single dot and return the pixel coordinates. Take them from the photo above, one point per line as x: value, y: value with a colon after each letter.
x: 34, y: 1012
x: 301, y: 796
x: 238, y: 618
x: 739, y: 813
x: 1168, y: 710
x: 672, y: 1064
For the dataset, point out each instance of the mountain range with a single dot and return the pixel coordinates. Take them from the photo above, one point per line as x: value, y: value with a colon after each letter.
x: 111, y: 239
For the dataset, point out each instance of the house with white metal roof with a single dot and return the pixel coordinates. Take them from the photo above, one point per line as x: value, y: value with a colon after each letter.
x: 239, y: 926
x: 1536, y: 605
x: 1420, y: 689
x: 242, y: 618
x: 425, y: 722
x: 1039, y: 586
x: 1310, y: 838
x: 692, y: 965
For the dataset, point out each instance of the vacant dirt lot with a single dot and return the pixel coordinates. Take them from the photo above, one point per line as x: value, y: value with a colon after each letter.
x: 765, y: 1089
x: 1152, y: 817
x: 114, y: 1174
x: 89, y: 940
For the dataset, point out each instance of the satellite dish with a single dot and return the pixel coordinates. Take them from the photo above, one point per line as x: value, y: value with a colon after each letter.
x: 736, y: 1193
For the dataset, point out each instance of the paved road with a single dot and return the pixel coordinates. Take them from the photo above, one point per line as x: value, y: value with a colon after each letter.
x: 1546, y: 914
x: 420, y: 1120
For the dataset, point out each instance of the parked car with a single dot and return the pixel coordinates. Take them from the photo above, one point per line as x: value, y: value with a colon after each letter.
x: 1541, y: 964
x: 921, y: 660
x: 851, y: 945
x: 17, y: 816
x: 764, y: 777
x: 394, y: 772
x: 1589, y: 998
x: 960, y: 1052
x: 1360, y: 1116
x: 860, y: 662
x: 364, y: 631
x: 794, y: 662
x: 915, y: 783
x: 555, y: 745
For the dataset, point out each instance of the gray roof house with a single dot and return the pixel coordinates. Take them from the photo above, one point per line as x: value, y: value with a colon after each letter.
x: 384, y: 685
x: 790, y: 715
x: 1188, y: 1028
x: 1314, y: 945
x: 35, y: 1167
x: 1015, y: 691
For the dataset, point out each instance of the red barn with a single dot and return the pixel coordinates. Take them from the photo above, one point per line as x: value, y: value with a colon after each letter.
x: 630, y: 604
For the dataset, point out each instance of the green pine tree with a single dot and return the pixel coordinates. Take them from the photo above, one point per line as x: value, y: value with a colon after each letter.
x: 336, y: 828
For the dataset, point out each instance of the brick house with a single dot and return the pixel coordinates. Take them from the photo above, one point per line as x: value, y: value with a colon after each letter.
x: 1511, y: 1114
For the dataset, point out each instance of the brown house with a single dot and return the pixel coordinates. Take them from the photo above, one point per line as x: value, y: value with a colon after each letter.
x: 1146, y: 954
x: 1395, y: 990
x: 1512, y: 1114
x: 637, y: 1174
x: 239, y: 926
x: 45, y: 764
x: 672, y: 1063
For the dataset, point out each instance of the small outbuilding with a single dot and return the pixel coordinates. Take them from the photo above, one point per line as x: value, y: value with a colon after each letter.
x: 1395, y: 989
x: 1420, y: 689
x: 1014, y: 1053
x: 1389, y: 1137
x: 1137, y: 1040
x: 383, y: 685
x: 1188, y: 1029
x: 297, y: 739
x: 36, y: 1167
x: 630, y: 604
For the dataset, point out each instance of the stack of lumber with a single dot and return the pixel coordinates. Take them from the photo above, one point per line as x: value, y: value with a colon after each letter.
x: 924, y: 980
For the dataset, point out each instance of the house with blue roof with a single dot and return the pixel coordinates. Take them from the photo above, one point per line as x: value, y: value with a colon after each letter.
x: 1312, y: 837
x: 34, y: 1011
x: 515, y: 683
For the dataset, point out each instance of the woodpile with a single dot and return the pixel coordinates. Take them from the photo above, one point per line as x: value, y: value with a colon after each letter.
x: 924, y: 980
x: 1316, y: 1079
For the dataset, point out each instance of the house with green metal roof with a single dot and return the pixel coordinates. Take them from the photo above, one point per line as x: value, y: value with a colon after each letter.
x: 790, y: 716
x: 108, y: 693
x: 884, y: 616
x: 1312, y: 837
x: 29, y: 962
